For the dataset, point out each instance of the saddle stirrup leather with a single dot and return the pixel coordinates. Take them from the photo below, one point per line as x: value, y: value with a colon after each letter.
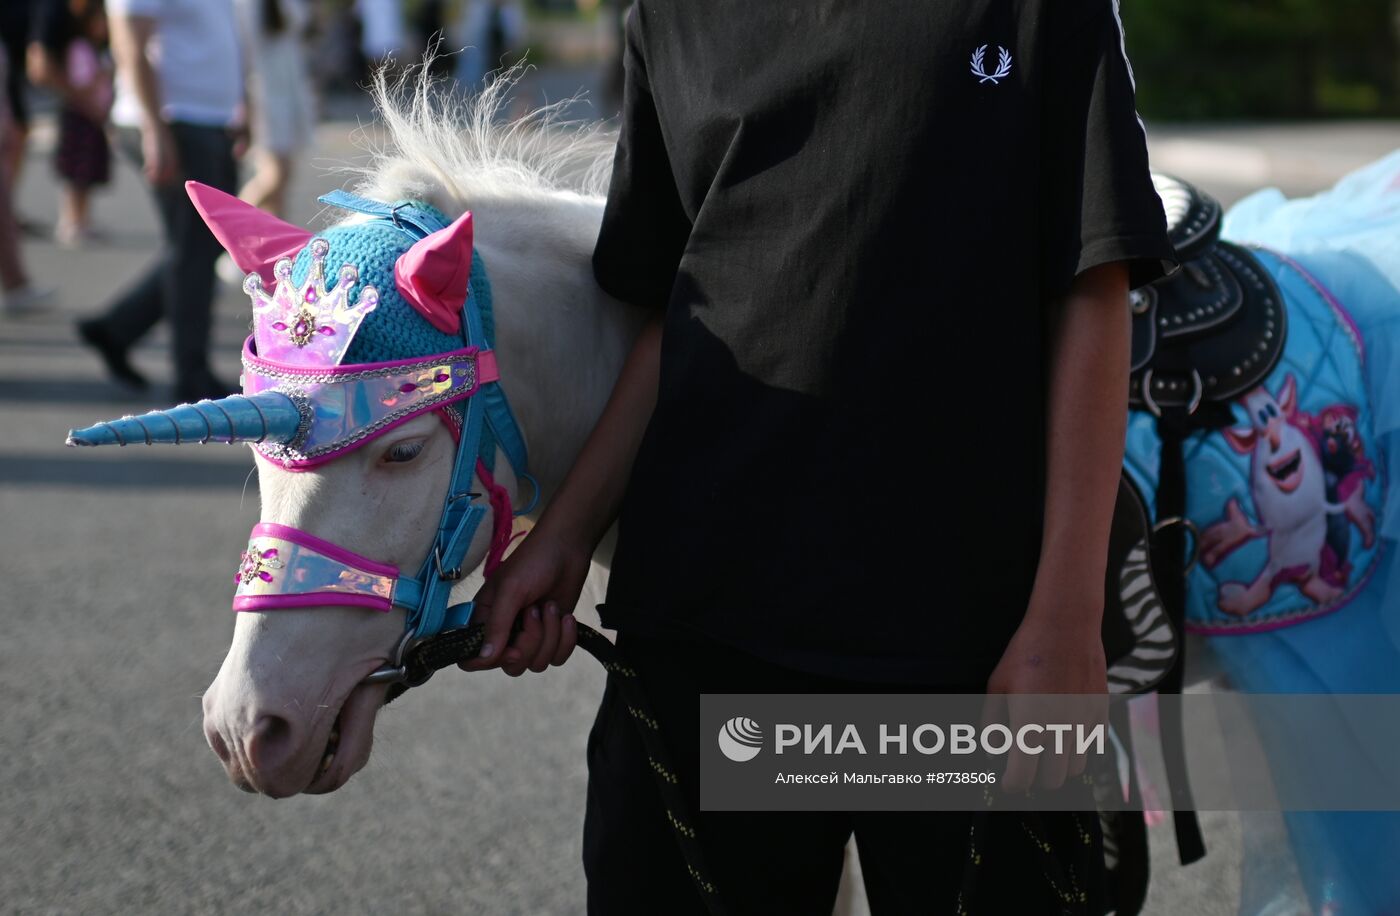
x: 1201, y: 338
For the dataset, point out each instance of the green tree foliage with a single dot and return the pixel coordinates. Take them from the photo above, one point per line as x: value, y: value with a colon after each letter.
x: 1263, y: 58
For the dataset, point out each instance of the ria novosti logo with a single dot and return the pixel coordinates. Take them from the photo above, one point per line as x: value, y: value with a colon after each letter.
x: 740, y: 739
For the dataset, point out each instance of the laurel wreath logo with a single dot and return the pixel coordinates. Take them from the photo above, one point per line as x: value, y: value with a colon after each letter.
x: 1003, y: 65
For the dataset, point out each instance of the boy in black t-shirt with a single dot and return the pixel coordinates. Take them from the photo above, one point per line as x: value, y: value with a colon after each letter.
x: 871, y: 439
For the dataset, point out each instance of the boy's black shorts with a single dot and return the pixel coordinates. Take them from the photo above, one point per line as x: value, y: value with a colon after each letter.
x: 791, y: 862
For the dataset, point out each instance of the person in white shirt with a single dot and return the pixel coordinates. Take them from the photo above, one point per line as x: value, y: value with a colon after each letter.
x: 179, y: 100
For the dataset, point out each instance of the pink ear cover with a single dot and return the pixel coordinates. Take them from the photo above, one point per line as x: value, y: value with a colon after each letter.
x: 254, y: 239
x: 433, y: 274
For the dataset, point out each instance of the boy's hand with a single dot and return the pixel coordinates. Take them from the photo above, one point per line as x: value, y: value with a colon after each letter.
x: 1052, y: 652
x: 527, y: 606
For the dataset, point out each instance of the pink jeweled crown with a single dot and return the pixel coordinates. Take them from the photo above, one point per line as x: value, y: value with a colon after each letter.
x: 313, y: 325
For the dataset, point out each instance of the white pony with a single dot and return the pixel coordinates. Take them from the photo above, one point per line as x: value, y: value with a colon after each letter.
x: 535, y: 194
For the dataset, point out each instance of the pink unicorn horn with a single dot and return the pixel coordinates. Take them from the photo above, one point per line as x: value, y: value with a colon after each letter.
x: 433, y: 274
x: 254, y: 239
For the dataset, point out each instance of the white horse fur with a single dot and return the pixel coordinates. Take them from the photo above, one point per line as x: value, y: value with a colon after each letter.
x: 291, y: 678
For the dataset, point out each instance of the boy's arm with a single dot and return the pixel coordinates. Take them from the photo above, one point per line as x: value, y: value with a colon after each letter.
x: 588, y: 501
x: 1057, y: 648
x: 1088, y: 415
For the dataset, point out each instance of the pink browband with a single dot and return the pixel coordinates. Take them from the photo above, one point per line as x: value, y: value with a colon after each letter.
x: 285, y: 567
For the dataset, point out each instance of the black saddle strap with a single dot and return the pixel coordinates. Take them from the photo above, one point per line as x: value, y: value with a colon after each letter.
x: 1173, y: 427
x: 1128, y: 880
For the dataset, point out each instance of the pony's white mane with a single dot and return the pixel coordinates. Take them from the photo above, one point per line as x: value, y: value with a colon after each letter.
x: 458, y: 151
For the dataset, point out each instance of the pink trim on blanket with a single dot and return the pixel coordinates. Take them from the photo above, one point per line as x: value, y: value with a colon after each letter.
x: 1327, y: 297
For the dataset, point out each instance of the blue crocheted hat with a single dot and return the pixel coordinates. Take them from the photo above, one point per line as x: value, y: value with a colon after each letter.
x: 394, y: 330
x: 314, y: 309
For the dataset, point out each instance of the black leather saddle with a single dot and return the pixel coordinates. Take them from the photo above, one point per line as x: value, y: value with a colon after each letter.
x: 1211, y: 331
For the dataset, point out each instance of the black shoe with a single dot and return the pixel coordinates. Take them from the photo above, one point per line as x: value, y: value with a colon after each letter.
x: 113, y: 355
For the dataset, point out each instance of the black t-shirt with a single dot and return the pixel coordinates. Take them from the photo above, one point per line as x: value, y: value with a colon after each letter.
x: 856, y: 217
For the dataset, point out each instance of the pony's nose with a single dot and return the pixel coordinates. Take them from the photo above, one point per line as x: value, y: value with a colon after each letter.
x: 270, y: 744
x: 216, y: 743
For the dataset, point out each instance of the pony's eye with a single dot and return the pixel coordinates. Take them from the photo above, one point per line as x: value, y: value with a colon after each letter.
x: 404, y: 451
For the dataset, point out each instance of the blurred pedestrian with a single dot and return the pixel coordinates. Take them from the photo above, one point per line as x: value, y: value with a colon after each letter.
x: 179, y: 93
x: 281, y: 109
x: 382, y: 32
x: 16, y: 20
x: 490, y: 31
x: 68, y: 55
x: 19, y: 296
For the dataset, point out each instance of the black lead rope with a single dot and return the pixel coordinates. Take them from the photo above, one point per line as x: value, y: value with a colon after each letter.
x: 462, y: 644
x: 1071, y: 897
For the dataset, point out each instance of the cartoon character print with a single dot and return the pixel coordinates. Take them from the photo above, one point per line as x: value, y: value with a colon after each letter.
x: 1346, y: 469
x: 1306, y: 478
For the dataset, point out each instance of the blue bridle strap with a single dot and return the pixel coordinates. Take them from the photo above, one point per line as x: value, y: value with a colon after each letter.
x: 406, y: 215
x: 487, y: 423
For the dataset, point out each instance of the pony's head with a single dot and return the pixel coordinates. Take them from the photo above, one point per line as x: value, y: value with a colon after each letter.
x: 362, y: 358
x: 373, y: 356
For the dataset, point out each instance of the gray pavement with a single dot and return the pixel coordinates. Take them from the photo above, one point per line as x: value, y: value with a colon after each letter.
x: 116, y: 568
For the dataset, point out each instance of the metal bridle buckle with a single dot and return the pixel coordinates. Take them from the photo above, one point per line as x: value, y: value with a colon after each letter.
x: 447, y: 575
x: 396, y: 671
x: 1197, y: 392
x: 455, y: 574
x: 1192, y: 532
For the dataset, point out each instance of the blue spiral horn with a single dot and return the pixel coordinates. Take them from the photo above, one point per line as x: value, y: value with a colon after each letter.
x: 268, y: 416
